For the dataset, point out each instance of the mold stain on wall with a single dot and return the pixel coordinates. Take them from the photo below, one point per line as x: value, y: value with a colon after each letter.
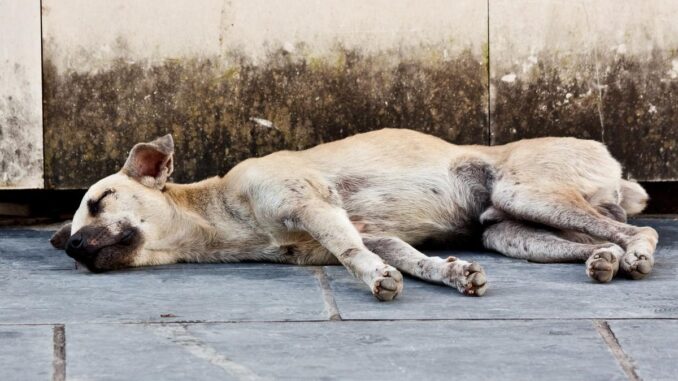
x: 630, y: 103
x: 21, y: 154
x: 546, y: 99
x: 20, y: 151
x: 640, y: 108
x: 92, y: 119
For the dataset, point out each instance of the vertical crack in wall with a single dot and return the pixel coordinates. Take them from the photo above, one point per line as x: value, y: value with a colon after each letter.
x: 610, y: 339
x: 489, y: 87
x: 596, y: 58
x: 42, y: 103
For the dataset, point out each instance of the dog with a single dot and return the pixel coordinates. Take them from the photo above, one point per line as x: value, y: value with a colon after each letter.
x: 364, y: 201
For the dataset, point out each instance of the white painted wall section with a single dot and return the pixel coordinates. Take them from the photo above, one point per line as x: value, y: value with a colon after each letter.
x: 21, y: 148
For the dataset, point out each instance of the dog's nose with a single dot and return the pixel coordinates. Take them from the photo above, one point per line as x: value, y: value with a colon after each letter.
x: 75, y: 241
x: 75, y: 245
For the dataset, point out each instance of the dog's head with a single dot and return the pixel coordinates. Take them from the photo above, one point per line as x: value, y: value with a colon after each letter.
x: 122, y: 213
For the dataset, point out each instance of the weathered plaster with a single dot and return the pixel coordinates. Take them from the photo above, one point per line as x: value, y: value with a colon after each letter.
x: 93, y: 119
x: 594, y: 69
x: 89, y: 35
x: 20, y: 95
x: 234, y: 79
x: 279, y: 76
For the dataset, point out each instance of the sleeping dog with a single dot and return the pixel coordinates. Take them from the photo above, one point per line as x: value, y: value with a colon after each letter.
x: 363, y: 202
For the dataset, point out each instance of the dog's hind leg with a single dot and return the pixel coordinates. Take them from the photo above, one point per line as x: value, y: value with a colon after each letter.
x: 519, y: 240
x: 467, y: 277
x: 569, y: 210
x: 331, y: 227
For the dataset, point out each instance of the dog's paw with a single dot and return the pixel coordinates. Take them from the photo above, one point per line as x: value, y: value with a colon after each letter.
x: 603, y: 264
x: 649, y: 234
x: 638, y: 260
x: 468, y: 277
x: 388, y: 284
x: 636, y: 265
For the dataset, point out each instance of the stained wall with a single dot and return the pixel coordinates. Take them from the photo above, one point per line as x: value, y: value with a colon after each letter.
x: 600, y: 69
x: 21, y: 155
x: 236, y: 79
x: 232, y: 79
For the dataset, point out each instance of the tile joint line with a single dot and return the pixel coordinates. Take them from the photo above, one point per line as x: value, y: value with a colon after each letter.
x: 624, y: 360
x: 328, y: 297
x: 59, y: 357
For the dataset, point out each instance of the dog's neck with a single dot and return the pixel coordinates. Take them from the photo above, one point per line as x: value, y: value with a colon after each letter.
x: 212, y: 228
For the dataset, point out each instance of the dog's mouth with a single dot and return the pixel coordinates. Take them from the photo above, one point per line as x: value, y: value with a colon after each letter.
x: 99, y: 251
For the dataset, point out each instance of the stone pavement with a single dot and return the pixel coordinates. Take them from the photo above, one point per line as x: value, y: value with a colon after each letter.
x: 262, y: 321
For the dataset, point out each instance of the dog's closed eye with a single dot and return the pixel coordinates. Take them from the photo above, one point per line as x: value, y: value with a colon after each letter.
x: 94, y: 205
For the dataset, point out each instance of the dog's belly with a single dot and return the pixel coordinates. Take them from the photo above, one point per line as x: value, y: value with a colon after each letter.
x: 417, y: 209
x: 412, y: 226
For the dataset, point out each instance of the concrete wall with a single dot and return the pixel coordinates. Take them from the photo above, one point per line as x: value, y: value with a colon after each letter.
x: 601, y: 69
x: 20, y: 95
x: 116, y: 72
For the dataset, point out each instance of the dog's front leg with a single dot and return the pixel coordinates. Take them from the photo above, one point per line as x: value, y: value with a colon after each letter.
x: 467, y: 277
x: 331, y: 227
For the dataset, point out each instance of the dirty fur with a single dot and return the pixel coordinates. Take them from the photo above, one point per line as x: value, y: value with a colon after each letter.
x: 364, y: 201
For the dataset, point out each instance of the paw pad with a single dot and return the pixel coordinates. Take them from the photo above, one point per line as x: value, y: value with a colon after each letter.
x: 387, y: 286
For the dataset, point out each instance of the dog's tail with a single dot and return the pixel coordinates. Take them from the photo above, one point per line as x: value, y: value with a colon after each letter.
x: 633, y: 197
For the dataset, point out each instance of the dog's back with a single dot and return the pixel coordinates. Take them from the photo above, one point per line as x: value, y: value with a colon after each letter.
x: 415, y: 186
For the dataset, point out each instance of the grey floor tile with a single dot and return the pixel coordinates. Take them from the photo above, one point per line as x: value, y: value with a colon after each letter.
x: 262, y: 292
x: 651, y: 344
x: 25, y: 352
x: 41, y: 286
x: 468, y: 350
x: 24, y: 250
x: 518, y: 289
x: 133, y: 352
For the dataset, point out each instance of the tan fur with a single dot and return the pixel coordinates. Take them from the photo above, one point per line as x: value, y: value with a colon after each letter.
x: 633, y: 197
x: 364, y: 200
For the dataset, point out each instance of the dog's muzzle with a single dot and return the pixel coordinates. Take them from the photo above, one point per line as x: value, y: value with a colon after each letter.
x: 89, y: 244
x: 77, y: 247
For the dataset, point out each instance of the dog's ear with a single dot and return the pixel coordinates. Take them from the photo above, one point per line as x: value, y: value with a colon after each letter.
x: 60, y: 238
x: 151, y: 163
